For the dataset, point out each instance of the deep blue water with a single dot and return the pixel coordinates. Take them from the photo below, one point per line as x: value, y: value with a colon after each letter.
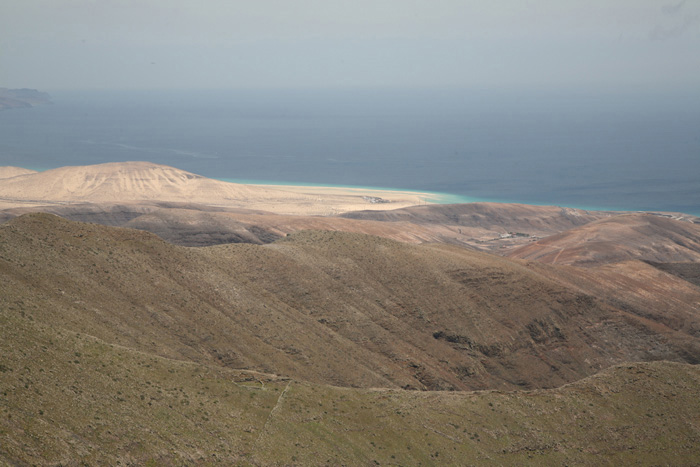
x: 606, y: 150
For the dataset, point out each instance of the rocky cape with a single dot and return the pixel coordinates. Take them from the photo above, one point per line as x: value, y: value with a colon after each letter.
x: 22, y: 98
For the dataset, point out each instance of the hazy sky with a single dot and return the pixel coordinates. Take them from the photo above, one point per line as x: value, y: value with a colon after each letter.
x: 54, y: 44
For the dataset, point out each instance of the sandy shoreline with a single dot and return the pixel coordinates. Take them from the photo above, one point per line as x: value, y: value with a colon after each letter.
x: 372, y: 195
x: 328, y: 201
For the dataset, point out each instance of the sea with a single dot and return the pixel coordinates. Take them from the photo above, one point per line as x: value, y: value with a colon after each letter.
x: 621, y: 149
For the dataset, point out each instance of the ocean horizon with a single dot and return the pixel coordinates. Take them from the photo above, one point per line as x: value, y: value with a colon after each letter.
x: 594, y: 151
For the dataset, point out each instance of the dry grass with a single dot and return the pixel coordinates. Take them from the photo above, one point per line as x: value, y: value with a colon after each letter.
x: 72, y: 399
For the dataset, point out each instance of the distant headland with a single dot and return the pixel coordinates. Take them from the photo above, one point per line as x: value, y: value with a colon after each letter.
x: 21, y: 98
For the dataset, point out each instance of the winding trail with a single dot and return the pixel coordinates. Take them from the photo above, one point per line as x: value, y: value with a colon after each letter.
x: 263, y: 430
x: 554, y: 261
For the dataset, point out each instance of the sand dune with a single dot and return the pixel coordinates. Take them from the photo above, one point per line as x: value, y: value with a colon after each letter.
x: 9, y: 172
x: 145, y: 181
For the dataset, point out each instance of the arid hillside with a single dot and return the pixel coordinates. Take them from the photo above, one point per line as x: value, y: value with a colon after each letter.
x: 481, y: 226
x: 508, y: 218
x: 624, y: 237
x: 116, y: 346
x: 189, y: 224
x: 70, y: 398
x: 334, y: 308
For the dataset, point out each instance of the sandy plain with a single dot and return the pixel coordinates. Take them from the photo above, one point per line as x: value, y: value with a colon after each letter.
x: 145, y: 181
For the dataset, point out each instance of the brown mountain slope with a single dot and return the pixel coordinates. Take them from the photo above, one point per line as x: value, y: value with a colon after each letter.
x: 660, y: 299
x: 337, y: 308
x: 480, y: 225
x: 687, y: 271
x: 623, y: 237
x: 70, y: 399
x: 184, y: 224
x: 191, y: 224
x: 488, y: 226
x: 197, y: 228
x: 503, y: 217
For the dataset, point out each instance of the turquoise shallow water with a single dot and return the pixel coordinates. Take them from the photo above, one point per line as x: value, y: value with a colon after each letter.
x: 432, y: 197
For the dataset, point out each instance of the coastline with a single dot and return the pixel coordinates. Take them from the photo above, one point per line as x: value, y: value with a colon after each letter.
x: 138, y: 181
x: 427, y: 197
x: 424, y: 197
x: 333, y: 199
x: 317, y: 148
